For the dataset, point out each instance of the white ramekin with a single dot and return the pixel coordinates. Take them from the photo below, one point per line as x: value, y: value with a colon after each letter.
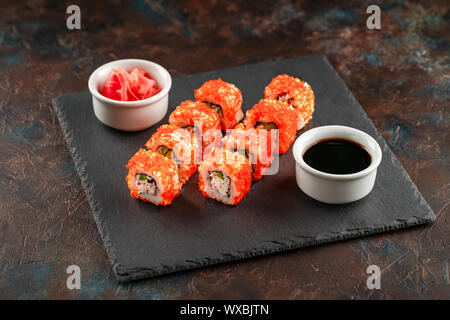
x: 335, y: 188
x: 130, y: 115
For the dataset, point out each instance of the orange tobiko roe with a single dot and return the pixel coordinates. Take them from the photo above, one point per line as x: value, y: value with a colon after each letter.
x: 225, y: 95
x: 237, y: 167
x: 283, y: 116
x: 159, y: 166
x: 135, y: 85
x: 192, y: 113
x: 258, y: 144
x: 186, y: 147
x: 298, y: 94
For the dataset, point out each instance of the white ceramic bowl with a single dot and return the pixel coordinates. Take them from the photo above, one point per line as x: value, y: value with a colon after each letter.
x: 130, y: 115
x: 335, y: 188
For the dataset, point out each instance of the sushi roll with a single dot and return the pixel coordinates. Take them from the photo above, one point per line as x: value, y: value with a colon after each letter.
x: 180, y: 146
x: 255, y: 144
x: 273, y: 114
x: 295, y: 93
x: 225, y: 176
x: 197, y: 117
x: 224, y: 98
x: 153, y: 178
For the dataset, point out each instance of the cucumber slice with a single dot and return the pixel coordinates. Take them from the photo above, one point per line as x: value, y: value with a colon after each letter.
x: 219, y: 175
x: 162, y: 150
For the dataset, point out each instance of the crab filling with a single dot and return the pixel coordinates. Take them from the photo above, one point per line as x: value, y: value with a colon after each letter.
x: 215, y: 107
x: 146, y: 184
x: 220, y: 183
x: 266, y: 125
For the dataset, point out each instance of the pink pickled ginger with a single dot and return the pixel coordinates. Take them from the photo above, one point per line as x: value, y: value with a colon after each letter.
x: 129, y: 86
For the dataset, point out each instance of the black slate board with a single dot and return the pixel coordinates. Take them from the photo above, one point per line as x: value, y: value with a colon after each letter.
x: 143, y: 240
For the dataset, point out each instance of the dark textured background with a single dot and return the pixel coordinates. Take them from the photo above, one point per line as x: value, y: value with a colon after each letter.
x: 399, y: 74
x: 144, y: 240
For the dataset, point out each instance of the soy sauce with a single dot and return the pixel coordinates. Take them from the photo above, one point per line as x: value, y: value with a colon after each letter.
x: 337, y: 156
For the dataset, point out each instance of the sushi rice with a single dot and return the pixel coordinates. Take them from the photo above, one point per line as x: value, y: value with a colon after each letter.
x: 225, y: 176
x: 255, y: 144
x: 274, y: 115
x: 200, y: 119
x: 179, y: 145
x: 153, y: 178
x: 295, y: 93
x: 223, y: 97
